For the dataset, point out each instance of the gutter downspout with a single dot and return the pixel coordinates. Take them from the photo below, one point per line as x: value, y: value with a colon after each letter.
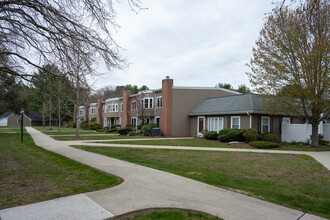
x: 250, y: 119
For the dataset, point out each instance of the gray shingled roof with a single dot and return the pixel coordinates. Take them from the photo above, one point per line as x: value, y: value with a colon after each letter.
x: 6, y: 114
x: 235, y: 104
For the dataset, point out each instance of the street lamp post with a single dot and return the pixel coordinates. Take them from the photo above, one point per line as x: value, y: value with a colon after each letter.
x: 22, y: 115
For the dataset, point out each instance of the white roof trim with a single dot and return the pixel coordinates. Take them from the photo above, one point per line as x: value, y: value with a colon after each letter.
x: 27, y: 117
x: 206, y: 88
x: 113, y: 99
x: 93, y: 104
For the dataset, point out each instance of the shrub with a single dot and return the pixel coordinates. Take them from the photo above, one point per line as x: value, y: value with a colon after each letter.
x: 228, y: 135
x: 211, y: 135
x: 271, y: 138
x: 250, y: 134
x: 107, y: 129
x: 146, y: 130
x: 114, y: 127
x: 92, y: 120
x: 132, y: 133
x: 94, y: 126
x: 124, y: 131
x: 84, y: 125
x: 264, y: 144
x: 100, y: 130
x: 139, y: 126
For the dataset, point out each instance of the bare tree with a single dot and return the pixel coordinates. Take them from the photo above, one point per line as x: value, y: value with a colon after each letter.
x: 290, y: 63
x: 51, y: 31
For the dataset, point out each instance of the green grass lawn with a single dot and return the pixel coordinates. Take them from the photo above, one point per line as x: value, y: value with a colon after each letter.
x: 176, y: 142
x: 11, y: 129
x: 31, y: 174
x: 207, y: 143
x: 92, y: 137
x: 166, y: 214
x: 295, y: 181
x: 64, y: 131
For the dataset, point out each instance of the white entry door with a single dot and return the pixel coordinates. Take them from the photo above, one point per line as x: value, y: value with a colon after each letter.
x: 200, y: 125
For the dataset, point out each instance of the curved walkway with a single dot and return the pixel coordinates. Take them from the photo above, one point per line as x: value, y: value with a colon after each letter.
x: 144, y: 187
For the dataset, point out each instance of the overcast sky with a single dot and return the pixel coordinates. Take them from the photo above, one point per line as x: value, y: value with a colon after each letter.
x: 196, y: 43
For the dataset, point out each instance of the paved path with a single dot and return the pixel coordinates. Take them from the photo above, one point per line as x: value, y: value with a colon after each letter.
x: 144, y: 187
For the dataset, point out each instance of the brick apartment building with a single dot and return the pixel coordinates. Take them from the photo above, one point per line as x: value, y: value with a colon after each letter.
x: 168, y: 107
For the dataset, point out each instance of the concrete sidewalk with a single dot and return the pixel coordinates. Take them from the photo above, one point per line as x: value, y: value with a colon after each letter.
x: 147, y: 188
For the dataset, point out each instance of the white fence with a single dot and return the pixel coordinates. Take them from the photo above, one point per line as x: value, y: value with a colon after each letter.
x: 302, y: 132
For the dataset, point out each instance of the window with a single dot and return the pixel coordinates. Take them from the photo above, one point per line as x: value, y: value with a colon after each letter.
x: 133, y: 105
x: 19, y: 120
x: 121, y: 107
x: 235, y: 122
x: 286, y: 121
x: 133, y: 122
x: 215, y: 124
x: 114, y: 107
x: 265, y: 124
x: 157, y: 120
x: 92, y: 110
x: 159, y: 102
x: 81, y: 112
x: 107, y: 109
x: 105, y: 122
x: 147, y: 102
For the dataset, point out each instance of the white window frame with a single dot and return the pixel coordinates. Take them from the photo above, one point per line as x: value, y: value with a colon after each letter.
x: 121, y: 107
x: 157, y: 117
x: 268, y: 124
x: 107, y: 108
x: 81, y: 112
x: 198, y: 133
x: 114, y: 107
x: 286, y: 119
x: 159, y: 101
x: 105, y: 122
x: 133, y: 102
x: 19, y: 120
x: 92, y: 110
x: 149, y: 103
x: 239, y: 121
x: 135, y: 118
x: 215, y: 122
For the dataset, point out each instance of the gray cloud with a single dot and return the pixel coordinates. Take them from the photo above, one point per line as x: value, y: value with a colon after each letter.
x: 197, y: 43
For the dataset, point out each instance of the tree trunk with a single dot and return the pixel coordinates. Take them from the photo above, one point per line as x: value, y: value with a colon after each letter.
x: 59, y: 115
x: 43, y: 115
x: 315, y: 131
x: 77, y: 106
x: 50, y: 112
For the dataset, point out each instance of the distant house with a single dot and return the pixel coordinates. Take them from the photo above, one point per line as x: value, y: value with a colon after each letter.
x: 238, y: 111
x: 11, y: 119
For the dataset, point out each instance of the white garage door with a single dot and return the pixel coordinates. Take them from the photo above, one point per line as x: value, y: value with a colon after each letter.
x: 3, y: 122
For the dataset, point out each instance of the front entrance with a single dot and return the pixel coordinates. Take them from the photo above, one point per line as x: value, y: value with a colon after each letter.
x: 200, y: 126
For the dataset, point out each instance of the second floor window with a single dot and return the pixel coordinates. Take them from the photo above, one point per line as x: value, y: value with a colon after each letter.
x: 114, y: 107
x: 159, y: 102
x: 92, y: 110
x: 107, y: 108
x: 147, y: 103
x: 81, y: 112
x: 133, y: 105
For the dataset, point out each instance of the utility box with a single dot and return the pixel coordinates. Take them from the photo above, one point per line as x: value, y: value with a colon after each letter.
x: 155, y: 131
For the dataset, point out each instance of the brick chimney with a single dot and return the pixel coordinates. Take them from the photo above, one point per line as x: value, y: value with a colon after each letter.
x: 125, y: 118
x: 165, y: 119
x: 86, y: 111
x: 99, y: 111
